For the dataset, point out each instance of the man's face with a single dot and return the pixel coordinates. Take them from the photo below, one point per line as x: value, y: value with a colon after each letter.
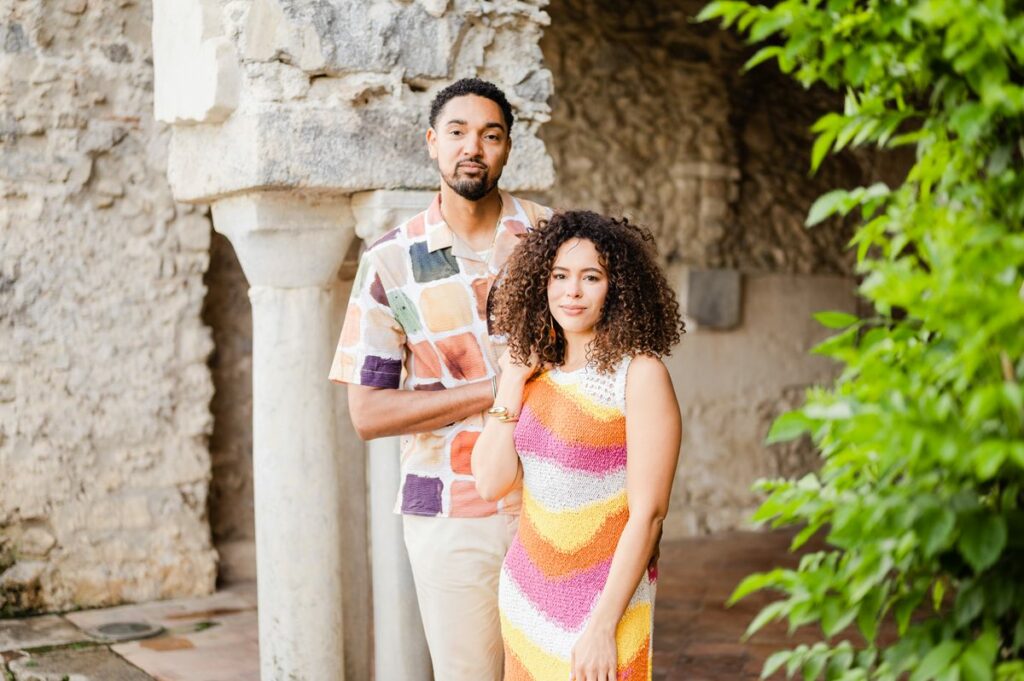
x: 470, y: 143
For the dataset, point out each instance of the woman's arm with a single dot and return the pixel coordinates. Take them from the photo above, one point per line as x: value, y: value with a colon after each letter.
x: 494, y: 461
x: 653, y: 433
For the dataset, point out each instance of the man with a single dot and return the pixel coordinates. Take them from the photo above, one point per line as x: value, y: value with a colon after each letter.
x: 420, y: 302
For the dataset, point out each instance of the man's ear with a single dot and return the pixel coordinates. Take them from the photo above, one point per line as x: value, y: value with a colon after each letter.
x: 432, y: 143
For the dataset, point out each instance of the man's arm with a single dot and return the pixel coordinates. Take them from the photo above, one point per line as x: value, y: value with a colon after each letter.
x: 380, y: 412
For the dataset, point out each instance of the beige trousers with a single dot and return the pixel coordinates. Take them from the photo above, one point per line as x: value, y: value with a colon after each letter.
x: 455, y: 564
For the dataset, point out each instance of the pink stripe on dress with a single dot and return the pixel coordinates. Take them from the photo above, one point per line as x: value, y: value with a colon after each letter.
x: 566, y: 601
x: 582, y: 457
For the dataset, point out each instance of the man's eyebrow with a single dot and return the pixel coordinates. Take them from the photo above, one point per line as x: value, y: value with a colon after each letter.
x: 489, y: 124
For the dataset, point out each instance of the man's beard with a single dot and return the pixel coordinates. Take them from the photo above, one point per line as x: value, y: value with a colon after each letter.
x: 471, y: 188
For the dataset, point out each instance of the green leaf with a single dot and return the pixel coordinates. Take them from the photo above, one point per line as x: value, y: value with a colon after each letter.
x: 788, y: 426
x: 982, y: 538
x: 762, y: 55
x: 814, y: 665
x: 938, y: 594
x: 969, y: 602
x: 771, y: 23
x: 935, y: 529
x: 753, y: 583
x: 775, y: 662
x: 868, y: 615
x: 835, y: 320
x: 978, y: 661
x: 727, y: 10
x: 839, y: 663
x: 988, y: 457
x: 937, y: 661
x: 769, y: 613
x: 821, y: 147
x: 828, y: 204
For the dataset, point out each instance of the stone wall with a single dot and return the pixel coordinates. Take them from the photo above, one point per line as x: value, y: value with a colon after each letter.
x: 652, y: 118
x: 104, y: 386
x: 732, y: 384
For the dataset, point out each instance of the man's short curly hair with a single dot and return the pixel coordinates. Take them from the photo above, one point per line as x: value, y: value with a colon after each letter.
x: 472, y: 86
x: 640, y: 314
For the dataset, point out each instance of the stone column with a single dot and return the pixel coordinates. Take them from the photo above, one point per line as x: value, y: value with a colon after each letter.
x: 290, y: 247
x: 400, y: 649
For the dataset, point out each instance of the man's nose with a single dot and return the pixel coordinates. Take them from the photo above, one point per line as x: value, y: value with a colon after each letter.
x: 471, y: 145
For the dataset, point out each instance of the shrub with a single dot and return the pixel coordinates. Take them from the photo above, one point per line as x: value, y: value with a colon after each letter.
x: 919, y: 495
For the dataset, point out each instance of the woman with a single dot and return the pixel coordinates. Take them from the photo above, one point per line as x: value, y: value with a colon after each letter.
x: 586, y: 414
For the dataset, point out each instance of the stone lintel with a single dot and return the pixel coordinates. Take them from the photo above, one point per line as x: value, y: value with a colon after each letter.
x: 328, y: 150
x: 286, y: 239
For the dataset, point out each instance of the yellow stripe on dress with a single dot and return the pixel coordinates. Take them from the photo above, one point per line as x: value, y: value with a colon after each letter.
x: 571, y: 529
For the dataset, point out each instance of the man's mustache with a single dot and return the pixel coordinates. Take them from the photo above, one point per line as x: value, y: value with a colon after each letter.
x: 473, y: 161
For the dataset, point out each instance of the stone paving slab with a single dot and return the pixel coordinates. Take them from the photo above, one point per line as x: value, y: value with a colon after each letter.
x: 226, y: 651
x: 170, y: 614
x: 206, y: 639
x: 36, y: 632
x: 90, y: 664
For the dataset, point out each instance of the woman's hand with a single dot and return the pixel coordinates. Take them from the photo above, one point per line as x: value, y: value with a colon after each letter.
x: 519, y: 373
x: 594, y: 657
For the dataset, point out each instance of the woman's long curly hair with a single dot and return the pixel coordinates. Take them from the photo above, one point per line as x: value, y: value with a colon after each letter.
x: 640, y: 314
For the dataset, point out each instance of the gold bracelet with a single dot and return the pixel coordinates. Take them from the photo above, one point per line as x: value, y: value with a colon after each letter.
x: 502, y: 414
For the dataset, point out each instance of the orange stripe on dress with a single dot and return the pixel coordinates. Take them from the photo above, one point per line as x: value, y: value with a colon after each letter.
x: 514, y: 669
x: 571, y: 421
x: 554, y: 563
x: 638, y: 668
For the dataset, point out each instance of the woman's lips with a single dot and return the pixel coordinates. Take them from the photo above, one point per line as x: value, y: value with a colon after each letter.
x: 573, y: 311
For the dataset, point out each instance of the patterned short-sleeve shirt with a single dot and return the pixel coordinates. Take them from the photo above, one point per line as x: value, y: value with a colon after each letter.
x: 417, y: 320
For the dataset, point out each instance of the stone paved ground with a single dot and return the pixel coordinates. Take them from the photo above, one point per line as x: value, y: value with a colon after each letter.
x: 214, y: 639
x: 697, y: 638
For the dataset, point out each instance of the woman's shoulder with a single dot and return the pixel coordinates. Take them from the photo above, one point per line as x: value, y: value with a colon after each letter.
x: 645, y: 363
x: 645, y: 371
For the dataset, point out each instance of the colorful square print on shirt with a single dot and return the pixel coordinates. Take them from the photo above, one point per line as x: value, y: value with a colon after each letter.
x: 417, y: 320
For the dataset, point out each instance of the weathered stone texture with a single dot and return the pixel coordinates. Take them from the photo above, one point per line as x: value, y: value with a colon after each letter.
x: 95, y: 664
x: 652, y: 119
x: 732, y: 384
x: 324, y: 107
x: 104, y: 388
x: 227, y: 312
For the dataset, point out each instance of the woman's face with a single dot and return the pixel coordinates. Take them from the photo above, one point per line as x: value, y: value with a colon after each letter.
x: 577, y: 286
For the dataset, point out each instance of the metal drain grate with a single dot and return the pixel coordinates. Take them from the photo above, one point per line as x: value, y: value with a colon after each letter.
x: 124, y: 631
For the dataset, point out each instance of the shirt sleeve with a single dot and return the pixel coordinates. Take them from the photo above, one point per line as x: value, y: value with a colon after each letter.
x: 372, y: 343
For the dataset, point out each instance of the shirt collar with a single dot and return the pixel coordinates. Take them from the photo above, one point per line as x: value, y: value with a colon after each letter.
x: 440, y: 235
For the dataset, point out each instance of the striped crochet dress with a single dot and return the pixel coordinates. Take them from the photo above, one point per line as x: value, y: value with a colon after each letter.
x: 571, y: 437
